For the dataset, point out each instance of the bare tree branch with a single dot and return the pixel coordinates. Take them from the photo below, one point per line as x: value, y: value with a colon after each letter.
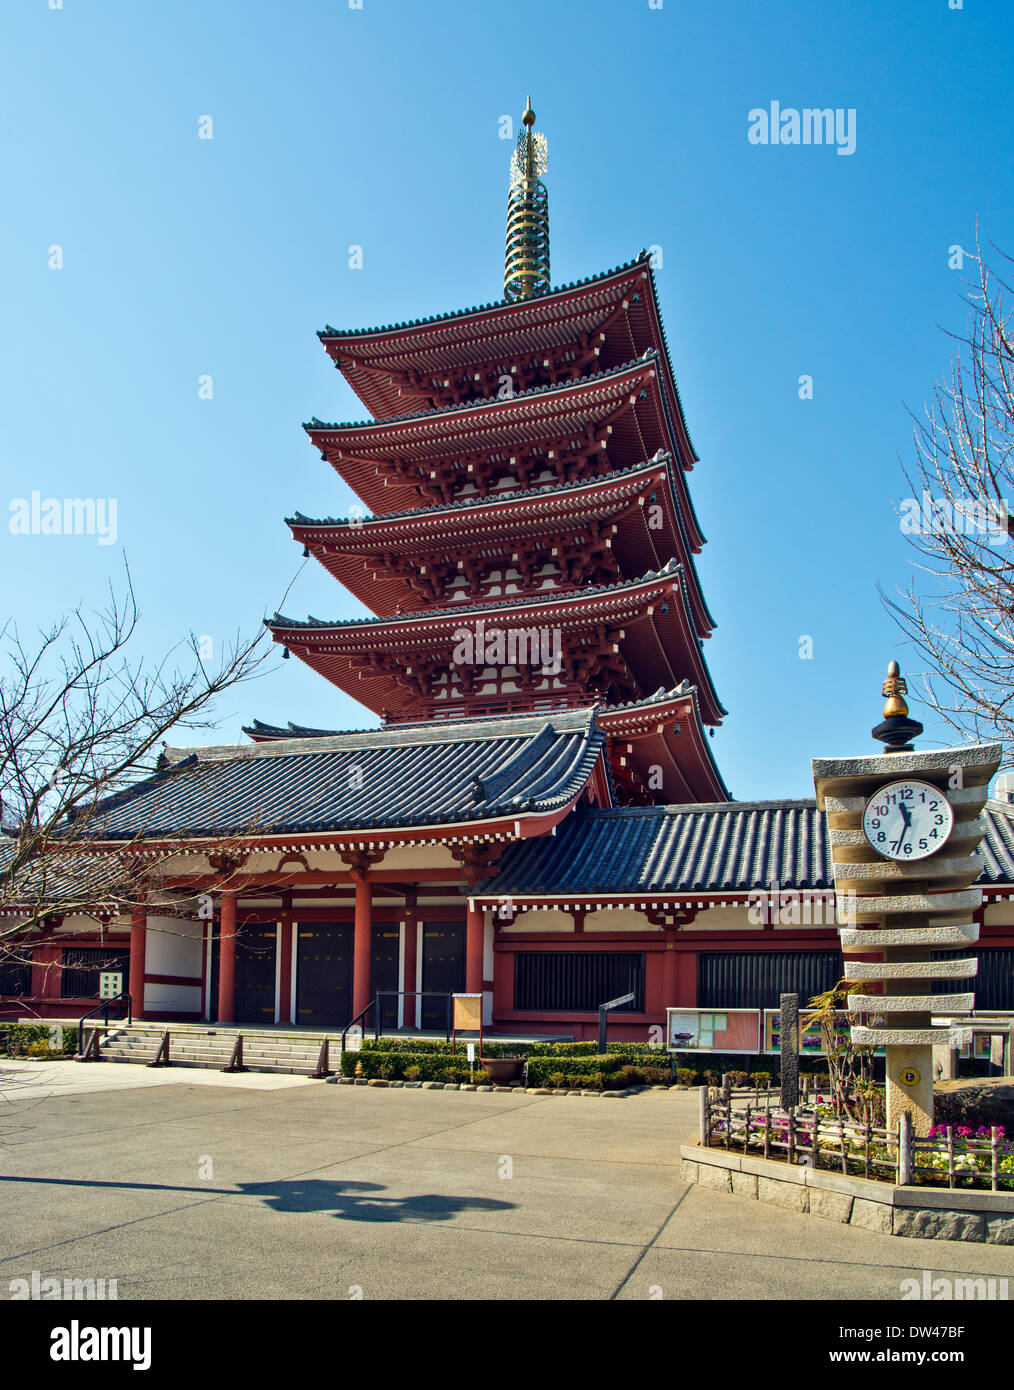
x: 960, y: 613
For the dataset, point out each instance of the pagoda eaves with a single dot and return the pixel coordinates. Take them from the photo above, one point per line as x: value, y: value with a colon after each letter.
x: 617, y: 642
x: 586, y: 325
x: 614, y: 525
x: 551, y: 434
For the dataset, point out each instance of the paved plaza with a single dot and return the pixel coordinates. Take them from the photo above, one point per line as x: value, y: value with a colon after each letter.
x: 193, y: 1185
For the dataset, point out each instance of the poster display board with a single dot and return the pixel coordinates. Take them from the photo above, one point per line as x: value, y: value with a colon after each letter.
x: 712, y: 1030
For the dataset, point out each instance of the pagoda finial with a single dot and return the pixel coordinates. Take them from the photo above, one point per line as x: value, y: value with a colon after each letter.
x: 898, y: 730
x: 526, y: 271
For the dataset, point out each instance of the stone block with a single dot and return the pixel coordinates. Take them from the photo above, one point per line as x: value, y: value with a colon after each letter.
x: 1000, y: 1230
x: 433, y: 1085
x: 872, y: 1216
x: 744, y: 1184
x: 689, y: 1171
x: 832, y: 1206
x: 792, y: 1196
x: 716, y: 1179
x: 939, y: 1225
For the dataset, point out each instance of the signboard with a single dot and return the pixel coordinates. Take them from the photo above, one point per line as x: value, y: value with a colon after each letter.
x: 471, y: 1053
x: 354, y: 1039
x: 467, y: 1015
x: 615, y: 1003
x: 713, y: 1030
x: 110, y: 984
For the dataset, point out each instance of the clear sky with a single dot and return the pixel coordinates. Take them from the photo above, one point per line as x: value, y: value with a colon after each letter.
x: 380, y: 127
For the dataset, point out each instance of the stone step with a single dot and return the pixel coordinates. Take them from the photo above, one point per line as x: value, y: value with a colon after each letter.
x: 218, y: 1063
x: 210, y: 1054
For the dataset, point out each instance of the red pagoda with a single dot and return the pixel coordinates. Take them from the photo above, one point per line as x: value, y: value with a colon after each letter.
x: 530, y: 540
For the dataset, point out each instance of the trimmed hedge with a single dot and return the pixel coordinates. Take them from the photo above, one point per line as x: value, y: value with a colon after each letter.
x: 32, y: 1039
x: 588, y: 1070
x: 508, y: 1048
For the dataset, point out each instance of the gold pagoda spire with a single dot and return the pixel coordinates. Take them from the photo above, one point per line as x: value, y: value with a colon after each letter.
x: 526, y: 271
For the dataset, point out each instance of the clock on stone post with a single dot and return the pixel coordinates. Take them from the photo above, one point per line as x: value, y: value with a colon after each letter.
x: 904, y: 833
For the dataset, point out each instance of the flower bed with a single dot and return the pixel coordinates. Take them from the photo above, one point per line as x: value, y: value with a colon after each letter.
x: 820, y: 1138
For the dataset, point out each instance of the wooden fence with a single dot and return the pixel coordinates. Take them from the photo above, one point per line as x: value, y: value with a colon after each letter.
x: 747, y: 1121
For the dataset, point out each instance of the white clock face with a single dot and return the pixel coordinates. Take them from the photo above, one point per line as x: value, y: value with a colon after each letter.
x: 908, y: 820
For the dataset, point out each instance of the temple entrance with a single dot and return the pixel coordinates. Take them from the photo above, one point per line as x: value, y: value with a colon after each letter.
x: 384, y: 943
x: 324, y: 974
x: 443, y: 969
x: 255, y: 973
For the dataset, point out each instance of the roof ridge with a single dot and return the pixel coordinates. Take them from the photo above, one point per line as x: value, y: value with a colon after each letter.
x: 327, y: 332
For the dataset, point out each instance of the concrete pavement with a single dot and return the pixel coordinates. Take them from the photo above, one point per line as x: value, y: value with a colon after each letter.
x: 203, y: 1186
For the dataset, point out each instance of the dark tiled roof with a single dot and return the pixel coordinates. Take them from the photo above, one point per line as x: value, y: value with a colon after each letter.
x: 383, y: 779
x: 709, y: 848
x: 258, y: 729
x: 64, y: 880
x: 998, y: 843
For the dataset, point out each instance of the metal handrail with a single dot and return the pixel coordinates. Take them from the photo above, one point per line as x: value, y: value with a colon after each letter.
x: 103, y: 1008
x: 360, y: 1015
x: 415, y: 994
x: 375, y: 1004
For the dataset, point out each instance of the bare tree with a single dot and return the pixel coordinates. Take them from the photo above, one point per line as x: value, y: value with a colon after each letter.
x: 960, y: 614
x: 81, y: 720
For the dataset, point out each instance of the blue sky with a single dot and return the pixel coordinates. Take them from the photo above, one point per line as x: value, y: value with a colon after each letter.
x: 379, y: 126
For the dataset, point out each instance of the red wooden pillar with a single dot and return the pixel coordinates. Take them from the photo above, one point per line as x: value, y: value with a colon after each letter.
x: 669, y: 976
x: 686, y: 979
x: 47, y: 975
x: 361, y: 943
x: 285, y: 968
x: 411, y: 965
x: 138, y: 941
x: 474, y: 936
x: 227, y: 959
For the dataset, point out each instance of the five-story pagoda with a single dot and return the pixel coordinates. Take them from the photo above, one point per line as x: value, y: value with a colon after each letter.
x: 530, y: 537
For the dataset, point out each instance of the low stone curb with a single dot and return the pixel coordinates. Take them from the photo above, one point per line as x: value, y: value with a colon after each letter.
x: 929, y: 1213
x: 500, y: 1090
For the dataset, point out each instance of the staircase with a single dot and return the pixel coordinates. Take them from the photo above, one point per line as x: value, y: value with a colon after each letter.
x: 204, y: 1045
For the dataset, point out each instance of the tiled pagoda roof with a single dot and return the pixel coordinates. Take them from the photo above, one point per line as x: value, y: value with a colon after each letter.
x: 507, y: 426
x: 733, y: 847
x: 506, y: 514
x: 416, y: 335
x: 381, y: 779
x: 329, y: 646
